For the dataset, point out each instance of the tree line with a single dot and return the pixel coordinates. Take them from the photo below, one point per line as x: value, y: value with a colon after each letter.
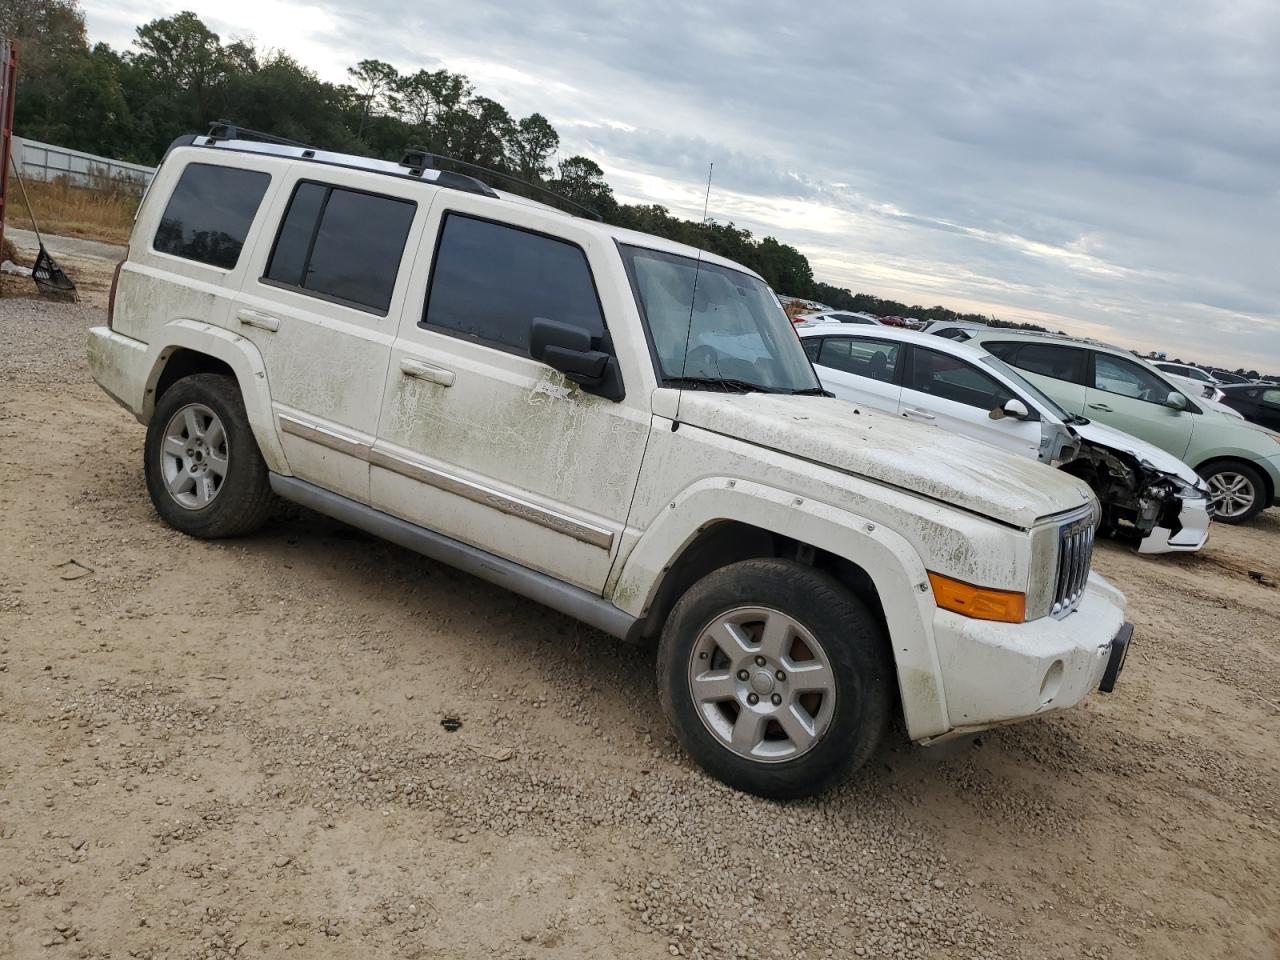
x: 180, y: 76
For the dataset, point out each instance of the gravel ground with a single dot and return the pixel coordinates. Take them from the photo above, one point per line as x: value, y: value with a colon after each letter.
x: 236, y: 750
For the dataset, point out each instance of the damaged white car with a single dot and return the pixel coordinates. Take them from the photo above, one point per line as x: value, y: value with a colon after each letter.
x: 963, y: 389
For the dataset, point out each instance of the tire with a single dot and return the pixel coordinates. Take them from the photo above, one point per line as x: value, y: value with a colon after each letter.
x: 206, y: 413
x: 813, y: 610
x: 1230, y: 481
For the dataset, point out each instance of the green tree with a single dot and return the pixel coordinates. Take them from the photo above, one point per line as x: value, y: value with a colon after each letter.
x: 375, y: 82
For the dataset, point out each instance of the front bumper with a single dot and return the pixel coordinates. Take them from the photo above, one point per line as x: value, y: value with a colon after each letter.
x: 1194, y: 517
x: 994, y: 673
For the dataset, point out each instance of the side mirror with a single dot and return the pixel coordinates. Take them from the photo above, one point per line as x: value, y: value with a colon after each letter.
x: 568, y: 348
x: 1013, y: 407
x: 1175, y: 401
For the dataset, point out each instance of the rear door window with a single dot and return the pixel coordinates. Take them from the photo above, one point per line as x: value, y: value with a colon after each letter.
x: 209, y: 214
x: 1045, y: 359
x: 861, y: 356
x: 490, y: 281
x: 341, y: 245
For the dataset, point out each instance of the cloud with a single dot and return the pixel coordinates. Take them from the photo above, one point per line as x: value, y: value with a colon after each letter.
x: 1109, y: 168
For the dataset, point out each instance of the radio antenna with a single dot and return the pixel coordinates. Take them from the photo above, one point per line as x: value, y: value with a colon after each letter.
x: 693, y: 299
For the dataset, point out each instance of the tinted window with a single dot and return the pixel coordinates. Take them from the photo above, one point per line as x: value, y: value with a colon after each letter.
x: 490, y: 281
x: 1049, y: 360
x: 811, y: 347
x: 1271, y: 397
x: 1003, y: 349
x: 951, y: 378
x: 875, y: 359
x: 209, y: 214
x: 342, y: 245
x: 955, y: 333
x: 1124, y: 378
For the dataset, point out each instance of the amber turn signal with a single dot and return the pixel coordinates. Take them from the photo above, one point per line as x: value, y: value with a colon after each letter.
x: 981, y: 603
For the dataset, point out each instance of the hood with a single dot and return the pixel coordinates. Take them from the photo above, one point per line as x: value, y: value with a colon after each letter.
x: 1105, y: 436
x: 920, y: 459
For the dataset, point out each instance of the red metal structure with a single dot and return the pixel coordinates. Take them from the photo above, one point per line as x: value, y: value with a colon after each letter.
x: 8, y: 96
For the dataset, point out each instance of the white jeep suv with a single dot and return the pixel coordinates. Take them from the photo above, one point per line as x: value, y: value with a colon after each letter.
x: 623, y: 428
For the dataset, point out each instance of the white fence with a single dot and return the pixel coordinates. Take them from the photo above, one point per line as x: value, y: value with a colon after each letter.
x: 44, y: 161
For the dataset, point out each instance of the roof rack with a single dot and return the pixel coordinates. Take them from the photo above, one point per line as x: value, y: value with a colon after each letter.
x: 423, y: 159
x: 415, y: 161
x: 226, y: 130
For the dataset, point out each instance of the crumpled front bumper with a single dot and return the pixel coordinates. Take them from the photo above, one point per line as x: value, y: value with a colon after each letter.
x: 994, y: 673
x: 1194, y: 518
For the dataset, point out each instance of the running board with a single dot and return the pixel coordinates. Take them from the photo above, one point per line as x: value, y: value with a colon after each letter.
x: 572, y: 601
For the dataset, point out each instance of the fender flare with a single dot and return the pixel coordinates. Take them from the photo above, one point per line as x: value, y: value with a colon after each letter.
x: 889, y: 560
x: 245, y: 362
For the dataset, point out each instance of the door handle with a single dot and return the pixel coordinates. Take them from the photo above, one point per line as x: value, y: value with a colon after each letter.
x: 1100, y: 406
x: 918, y: 413
x: 427, y: 371
x: 263, y: 321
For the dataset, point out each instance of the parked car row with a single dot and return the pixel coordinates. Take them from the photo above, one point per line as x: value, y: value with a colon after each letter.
x: 627, y: 430
x: 962, y: 388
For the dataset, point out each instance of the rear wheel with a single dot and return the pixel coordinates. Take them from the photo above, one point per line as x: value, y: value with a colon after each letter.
x: 205, y: 474
x: 775, y: 677
x: 1237, y: 491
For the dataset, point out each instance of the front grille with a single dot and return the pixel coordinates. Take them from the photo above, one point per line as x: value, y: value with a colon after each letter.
x: 1075, y: 552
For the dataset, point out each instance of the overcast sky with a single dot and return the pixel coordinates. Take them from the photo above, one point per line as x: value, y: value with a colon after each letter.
x: 1107, y: 167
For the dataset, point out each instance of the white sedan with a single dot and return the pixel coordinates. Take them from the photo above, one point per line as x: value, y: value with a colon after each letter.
x: 963, y: 389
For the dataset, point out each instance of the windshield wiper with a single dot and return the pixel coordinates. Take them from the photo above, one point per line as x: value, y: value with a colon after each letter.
x: 727, y: 383
x: 812, y: 392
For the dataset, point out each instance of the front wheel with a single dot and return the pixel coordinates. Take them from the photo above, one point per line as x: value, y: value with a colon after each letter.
x: 204, y: 471
x: 775, y: 677
x: 1237, y: 491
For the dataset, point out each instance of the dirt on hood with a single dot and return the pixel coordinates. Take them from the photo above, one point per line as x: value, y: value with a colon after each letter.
x: 920, y: 459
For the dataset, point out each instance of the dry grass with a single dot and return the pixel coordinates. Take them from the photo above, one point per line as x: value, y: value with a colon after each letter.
x: 93, y: 213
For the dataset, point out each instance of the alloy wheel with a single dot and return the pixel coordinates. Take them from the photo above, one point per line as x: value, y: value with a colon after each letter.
x: 194, y: 456
x: 762, y: 684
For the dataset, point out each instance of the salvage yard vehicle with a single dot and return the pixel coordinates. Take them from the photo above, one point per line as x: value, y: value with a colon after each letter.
x: 1240, y: 461
x: 961, y: 388
x: 1257, y: 403
x: 622, y: 428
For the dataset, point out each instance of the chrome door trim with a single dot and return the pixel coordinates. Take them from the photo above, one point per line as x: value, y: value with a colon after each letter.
x: 324, y: 436
x: 590, y: 533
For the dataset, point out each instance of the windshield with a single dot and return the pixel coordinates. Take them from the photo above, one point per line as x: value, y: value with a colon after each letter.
x: 739, y: 337
x: 1030, y: 389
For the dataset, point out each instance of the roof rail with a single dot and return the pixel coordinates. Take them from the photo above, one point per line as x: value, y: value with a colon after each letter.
x: 416, y: 159
x: 226, y: 130
x: 422, y: 159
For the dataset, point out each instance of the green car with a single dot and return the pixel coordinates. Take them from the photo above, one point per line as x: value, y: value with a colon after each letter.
x: 1239, y: 460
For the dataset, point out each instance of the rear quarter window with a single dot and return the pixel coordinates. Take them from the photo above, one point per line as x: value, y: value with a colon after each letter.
x: 209, y: 214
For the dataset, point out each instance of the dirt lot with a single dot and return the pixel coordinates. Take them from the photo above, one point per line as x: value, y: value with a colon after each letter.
x: 235, y: 749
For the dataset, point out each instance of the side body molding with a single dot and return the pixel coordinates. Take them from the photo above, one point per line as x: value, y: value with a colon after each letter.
x: 892, y: 563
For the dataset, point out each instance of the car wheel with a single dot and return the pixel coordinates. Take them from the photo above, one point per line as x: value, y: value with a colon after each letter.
x: 775, y: 677
x: 1237, y: 491
x: 205, y: 474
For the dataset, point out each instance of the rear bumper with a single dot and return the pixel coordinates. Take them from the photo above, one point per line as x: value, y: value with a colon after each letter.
x: 120, y: 366
x: 1194, y: 517
x: 995, y: 673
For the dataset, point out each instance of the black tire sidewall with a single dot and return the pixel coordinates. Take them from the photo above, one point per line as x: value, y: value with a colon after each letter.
x: 850, y: 636
x: 239, y: 505
x: 1260, y: 501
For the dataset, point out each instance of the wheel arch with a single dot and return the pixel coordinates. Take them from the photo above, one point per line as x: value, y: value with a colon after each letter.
x: 186, y: 347
x: 713, y: 524
x: 1269, y: 486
